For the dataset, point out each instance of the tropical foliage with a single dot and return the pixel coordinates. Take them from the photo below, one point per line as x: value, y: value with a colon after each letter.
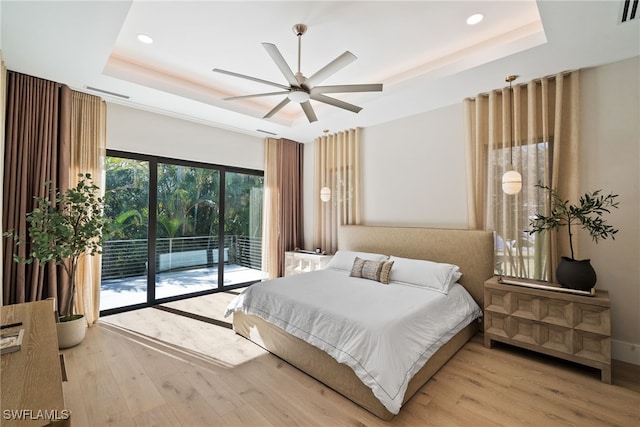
x: 188, y: 200
x: 128, y: 198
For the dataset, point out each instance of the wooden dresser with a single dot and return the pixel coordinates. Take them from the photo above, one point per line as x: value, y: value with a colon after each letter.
x: 572, y: 327
x: 31, y: 378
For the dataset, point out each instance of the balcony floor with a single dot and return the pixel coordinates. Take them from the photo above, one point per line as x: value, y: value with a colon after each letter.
x: 133, y: 290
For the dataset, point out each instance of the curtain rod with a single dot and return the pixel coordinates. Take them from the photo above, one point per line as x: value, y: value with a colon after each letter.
x: 537, y: 80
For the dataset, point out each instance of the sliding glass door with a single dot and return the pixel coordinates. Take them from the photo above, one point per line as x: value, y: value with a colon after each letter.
x: 242, y: 228
x: 188, y: 208
x: 125, y: 250
x: 180, y: 229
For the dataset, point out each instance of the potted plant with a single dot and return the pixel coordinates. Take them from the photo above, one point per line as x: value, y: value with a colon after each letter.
x: 589, y: 214
x: 63, y: 228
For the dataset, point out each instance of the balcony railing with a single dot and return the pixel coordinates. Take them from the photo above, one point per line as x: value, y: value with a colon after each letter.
x: 128, y: 258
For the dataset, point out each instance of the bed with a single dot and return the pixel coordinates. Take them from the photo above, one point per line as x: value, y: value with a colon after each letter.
x: 471, y: 250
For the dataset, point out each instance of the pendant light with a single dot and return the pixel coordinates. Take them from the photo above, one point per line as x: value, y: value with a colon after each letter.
x: 511, y: 180
x: 325, y: 194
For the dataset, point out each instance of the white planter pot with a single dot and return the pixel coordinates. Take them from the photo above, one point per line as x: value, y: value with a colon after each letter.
x: 71, y: 333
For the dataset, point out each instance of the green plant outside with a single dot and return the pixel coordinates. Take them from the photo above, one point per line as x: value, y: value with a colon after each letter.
x: 187, y: 198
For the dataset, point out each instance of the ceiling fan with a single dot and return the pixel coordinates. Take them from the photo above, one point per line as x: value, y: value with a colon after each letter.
x: 301, y: 89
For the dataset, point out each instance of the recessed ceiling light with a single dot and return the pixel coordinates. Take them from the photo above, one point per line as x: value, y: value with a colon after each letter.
x: 475, y: 18
x: 145, y: 38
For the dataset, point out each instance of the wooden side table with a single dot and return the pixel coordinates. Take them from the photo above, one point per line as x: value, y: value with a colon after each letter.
x: 571, y: 327
x: 31, y: 383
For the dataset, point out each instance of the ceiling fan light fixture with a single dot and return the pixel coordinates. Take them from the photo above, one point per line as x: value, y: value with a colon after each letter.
x: 298, y: 95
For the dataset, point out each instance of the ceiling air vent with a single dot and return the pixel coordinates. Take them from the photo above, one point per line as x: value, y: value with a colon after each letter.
x: 629, y: 10
x: 106, y: 92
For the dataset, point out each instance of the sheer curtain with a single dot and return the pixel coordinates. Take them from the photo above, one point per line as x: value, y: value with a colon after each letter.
x: 282, y: 227
x: 545, y: 138
x: 338, y: 168
x: 88, y: 151
x: 3, y: 103
x: 37, y: 149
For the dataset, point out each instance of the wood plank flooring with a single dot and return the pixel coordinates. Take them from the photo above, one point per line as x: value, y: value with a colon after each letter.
x: 153, y: 367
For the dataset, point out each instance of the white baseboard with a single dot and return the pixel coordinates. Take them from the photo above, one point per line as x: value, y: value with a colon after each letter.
x: 625, y: 351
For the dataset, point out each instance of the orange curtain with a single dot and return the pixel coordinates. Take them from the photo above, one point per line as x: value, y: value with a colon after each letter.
x: 283, y: 214
x: 37, y: 149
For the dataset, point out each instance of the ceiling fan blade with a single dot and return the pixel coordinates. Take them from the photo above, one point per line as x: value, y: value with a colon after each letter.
x: 256, y: 95
x: 336, y: 102
x: 276, y: 108
x: 377, y: 87
x: 331, y: 68
x: 242, y: 76
x: 277, y: 57
x: 308, y: 111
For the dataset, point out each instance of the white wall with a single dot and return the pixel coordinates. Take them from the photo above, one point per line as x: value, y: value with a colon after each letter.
x: 139, y: 131
x: 610, y: 160
x: 414, y: 171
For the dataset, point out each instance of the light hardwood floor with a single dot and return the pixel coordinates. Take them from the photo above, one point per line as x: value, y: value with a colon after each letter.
x: 153, y: 367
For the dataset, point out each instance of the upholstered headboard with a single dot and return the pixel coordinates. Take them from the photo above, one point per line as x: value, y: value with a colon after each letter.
x: 471, y: 250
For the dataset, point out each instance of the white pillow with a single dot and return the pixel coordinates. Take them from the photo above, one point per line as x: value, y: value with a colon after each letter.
x: 433, y: 275
x: 343, y: 260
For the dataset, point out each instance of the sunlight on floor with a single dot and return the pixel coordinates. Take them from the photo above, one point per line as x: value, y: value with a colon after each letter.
x: 184, y: 337
x: 133, y: 290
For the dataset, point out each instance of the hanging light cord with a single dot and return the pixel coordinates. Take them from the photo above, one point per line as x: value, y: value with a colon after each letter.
x: 511, y: 179
x: 513, y: 133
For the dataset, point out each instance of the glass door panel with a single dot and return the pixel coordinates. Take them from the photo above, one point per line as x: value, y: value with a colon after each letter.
x: 187, y: 230
x: 242, y: 251
x: 124, y: 252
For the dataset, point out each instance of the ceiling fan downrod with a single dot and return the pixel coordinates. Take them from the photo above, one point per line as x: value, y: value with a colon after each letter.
x: 299, y: 30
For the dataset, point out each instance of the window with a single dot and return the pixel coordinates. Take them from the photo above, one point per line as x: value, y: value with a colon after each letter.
x: 180, y: 229
x: 542, y: 118
x: 517, y: 252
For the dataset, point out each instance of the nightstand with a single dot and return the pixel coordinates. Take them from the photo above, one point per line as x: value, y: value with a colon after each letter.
x: 302, y: 262
x: 571, y: 327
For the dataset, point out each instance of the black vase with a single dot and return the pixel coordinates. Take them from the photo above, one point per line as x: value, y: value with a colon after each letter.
x: 576, y: 274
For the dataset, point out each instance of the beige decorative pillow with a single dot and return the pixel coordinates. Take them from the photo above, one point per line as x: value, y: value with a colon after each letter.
x: 356, y: 269
x: 385, y: 272
x: 379, y: 271
x: 371, y: 270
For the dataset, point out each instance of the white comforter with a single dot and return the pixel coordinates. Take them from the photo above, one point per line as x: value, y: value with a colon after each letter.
x: 385, y: 333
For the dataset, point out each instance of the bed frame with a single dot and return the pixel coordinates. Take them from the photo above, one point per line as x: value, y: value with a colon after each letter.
x: 472, y: 250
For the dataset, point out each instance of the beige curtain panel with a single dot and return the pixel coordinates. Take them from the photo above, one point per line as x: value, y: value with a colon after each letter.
x: 88, y: 151
x: 545, y: 137
x: 37, y: 149
x: 282, y: 226
x: 3, y: 103
x: 337, y: 168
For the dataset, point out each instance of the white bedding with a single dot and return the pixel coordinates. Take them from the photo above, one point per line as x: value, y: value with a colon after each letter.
x: 385, y: 333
